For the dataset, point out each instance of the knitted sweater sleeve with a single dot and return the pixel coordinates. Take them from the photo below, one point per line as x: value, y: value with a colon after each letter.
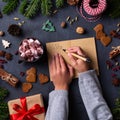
x: 93, y: 100
x: 58, y: 105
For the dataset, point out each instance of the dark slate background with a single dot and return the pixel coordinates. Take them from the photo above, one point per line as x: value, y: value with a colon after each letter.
x: 32, y: 28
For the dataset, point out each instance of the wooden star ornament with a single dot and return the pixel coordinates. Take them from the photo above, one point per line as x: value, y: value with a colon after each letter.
x: 6, y: 44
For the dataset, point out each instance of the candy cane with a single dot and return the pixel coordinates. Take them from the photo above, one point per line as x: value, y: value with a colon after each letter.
x: 95, y: 12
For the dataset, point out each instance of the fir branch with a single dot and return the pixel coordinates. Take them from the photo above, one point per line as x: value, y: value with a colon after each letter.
x: 4, y: 112
x: 46, y: 7
x: 3, y: 93
x: 115, y: 13
x: 5, y: 0
x: 59, y: 3
x: 113, y: 8
x: 10, y: 6
x: 116, y: 109
x: 32, y: 8
x: 23, y: 6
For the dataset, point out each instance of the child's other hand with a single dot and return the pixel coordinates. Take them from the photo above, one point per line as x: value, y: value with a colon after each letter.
x: 60, y: 72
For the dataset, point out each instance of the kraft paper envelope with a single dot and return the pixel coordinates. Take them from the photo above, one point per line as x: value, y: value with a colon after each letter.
x: 87, y: 44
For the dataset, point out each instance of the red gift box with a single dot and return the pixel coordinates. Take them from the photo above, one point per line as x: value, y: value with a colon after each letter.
x: 27, y: 108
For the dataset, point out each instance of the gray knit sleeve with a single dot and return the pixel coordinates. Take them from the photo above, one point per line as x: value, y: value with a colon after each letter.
x: 94, y: 102
x: 58, y: 105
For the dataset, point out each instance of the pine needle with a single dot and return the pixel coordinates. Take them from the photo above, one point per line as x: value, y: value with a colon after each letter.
x: 10, y: 6
x: 23, y: 6
x: 116, y: 109
x: 5, y: 0
x: 4, y: 113
x: 113, y: 8
x: 59, y: 3
x: 32, y: 8
x: 3, y: 93
x: 46, y: 7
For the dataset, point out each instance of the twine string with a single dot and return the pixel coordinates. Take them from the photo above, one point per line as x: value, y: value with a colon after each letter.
x: 94, y: 12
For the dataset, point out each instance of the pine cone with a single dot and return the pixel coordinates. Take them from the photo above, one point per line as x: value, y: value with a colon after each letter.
x: 72, y: 2
x: 14, y: 30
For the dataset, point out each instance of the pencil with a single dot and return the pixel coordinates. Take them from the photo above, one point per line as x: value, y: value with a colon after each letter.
x: 79, y: 56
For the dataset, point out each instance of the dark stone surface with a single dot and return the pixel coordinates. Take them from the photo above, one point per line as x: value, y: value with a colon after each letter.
x: 32, y: 28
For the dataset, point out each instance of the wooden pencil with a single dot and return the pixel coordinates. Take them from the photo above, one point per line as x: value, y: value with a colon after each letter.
x: 78, y: 56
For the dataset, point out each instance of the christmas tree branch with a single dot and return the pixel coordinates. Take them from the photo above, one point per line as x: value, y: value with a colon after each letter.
x: 4, y: 113
x: 116, y: 109
x: 5, y: 0
x: 113, y: 8
x: 46, y: 6
x: 23, y: 6
x: 10, y: 6
x: 59, y: 3
x: 32, y: 8
x: 3, y: 93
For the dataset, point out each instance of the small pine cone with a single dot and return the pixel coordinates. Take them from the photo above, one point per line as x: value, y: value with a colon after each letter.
x: 14, y: 30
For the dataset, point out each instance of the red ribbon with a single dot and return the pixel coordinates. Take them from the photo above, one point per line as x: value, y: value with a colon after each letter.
x: 23, y: 113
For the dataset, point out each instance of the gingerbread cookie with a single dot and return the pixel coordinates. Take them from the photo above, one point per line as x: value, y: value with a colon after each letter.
x: 100, y: 35
x: 98, y: 27
x: 105, y: 40
x: 31, y: 70
x: 31, y: 75
x: 43, y: 78
x: 26, y: 87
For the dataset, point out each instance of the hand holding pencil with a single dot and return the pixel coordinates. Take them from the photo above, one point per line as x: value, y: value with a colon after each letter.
x: 81, y: 63
x: 86, y: 59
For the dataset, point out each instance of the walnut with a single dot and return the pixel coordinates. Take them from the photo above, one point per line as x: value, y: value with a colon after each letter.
x: 80, y: 30
x: 72, y: 2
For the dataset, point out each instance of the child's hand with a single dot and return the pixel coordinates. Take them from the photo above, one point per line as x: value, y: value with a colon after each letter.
x: 61, y: 73
x: 78, y: 64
